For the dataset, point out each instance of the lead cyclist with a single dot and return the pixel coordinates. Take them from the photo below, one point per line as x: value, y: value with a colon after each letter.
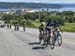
x: 57, y: 26
x: 57, y: 29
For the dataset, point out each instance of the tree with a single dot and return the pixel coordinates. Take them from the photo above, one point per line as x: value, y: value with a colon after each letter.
x: 68, y: 13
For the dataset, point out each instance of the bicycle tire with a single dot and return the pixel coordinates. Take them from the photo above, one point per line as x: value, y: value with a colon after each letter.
x: 59, y: 39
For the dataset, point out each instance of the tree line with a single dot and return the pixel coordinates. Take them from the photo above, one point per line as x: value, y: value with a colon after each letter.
x: 61, y: 17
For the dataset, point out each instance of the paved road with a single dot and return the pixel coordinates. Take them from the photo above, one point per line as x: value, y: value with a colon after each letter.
x: 20, y: 43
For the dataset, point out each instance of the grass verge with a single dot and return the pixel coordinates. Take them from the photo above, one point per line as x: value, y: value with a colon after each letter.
x: 68, y: 27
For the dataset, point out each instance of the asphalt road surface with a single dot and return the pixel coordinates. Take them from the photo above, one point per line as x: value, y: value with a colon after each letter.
x: 20, y: 43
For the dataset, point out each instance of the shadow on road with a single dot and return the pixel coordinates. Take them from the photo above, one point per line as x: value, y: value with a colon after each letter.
x: 34, y: 43
x: 38, y: 47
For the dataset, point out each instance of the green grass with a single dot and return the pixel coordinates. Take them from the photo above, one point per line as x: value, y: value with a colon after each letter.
x: 69, y: 27
x: 33, y: 24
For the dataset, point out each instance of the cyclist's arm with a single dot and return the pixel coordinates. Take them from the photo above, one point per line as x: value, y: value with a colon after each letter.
x: 60, y: 29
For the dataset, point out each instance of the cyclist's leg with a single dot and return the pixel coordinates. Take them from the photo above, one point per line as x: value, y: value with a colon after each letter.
x: 40, y: 30
x: 48, y: 36
x: 55, y: 34
x: 52, y: 37
x: 40, y: 35
x: 49, y: 33
x: 43, y: 32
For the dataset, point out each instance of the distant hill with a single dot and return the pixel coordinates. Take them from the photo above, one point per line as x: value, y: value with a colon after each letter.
x: 68, y: 5
x: 8, y: 5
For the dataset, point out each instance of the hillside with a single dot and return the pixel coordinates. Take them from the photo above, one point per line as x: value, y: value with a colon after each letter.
x: 6, y: 5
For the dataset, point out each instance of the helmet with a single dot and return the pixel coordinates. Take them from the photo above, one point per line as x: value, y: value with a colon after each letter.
x: 43, y: 23
x: 55, y: 21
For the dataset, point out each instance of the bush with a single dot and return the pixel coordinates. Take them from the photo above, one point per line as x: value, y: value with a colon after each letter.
x: 57, y: 18
x: 14, y: 21
x: 30, y: 24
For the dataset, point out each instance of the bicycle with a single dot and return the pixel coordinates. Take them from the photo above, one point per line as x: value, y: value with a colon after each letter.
x: 49, y: 40
x: 56, y: 36
x: 59, y: 38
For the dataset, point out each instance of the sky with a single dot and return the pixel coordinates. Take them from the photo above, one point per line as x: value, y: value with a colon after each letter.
x: 41, y: 1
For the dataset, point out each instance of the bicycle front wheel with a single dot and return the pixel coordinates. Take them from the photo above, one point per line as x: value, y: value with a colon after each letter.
x: 52, y: 42
x: 59, y: 39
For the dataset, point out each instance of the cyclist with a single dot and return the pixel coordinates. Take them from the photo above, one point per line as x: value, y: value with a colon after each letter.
x: 24, y: 25
x: 41, y: 30
x: 42, y: 26
x: 57, y: 27
x: 17, y: 26
x: 49, y: 27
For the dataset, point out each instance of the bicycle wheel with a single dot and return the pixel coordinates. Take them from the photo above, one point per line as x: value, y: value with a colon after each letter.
x: 52, y: 42
x: 47, y: 41
x: 59, y: 39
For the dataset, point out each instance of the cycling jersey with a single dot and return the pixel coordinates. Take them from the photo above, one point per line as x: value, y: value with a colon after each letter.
x: 51, y: 26
x: 48, y: 27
